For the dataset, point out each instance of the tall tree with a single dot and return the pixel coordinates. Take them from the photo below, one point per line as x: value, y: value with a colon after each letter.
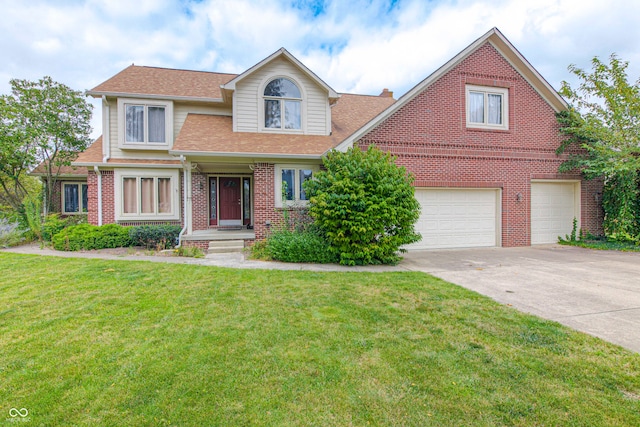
x: 604, y: 121
x: 42, y: 121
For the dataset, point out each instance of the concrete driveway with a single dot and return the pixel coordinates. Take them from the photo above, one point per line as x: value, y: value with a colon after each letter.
x: 597, y: 292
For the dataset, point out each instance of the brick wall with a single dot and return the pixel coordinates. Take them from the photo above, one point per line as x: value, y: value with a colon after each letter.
x: 108, y: 197
x: 430, y: 138
x: 264, y: 199
x: 200, y: 201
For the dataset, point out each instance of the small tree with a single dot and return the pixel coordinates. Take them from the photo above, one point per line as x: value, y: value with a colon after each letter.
x: 41, y: 121
x: 604, y: 120
x: 365, y: 205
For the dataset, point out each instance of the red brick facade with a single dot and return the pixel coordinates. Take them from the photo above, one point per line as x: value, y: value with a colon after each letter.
x: 108, y: 197
x: 430, y: 138
x: 200, y: 201
x: 264, y: 210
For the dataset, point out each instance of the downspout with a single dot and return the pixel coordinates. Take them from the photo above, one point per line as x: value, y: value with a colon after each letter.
x: 184, y: 200
x: 106, y: 130
x: 99, y: 174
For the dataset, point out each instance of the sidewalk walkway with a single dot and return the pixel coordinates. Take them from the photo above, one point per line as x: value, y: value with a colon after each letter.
x: 233, y: 260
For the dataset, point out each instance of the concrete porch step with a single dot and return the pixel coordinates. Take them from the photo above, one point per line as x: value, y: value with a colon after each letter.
x: 225, y: 246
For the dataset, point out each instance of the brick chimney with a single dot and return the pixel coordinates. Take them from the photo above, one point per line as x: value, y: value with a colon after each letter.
x: 386, y: 93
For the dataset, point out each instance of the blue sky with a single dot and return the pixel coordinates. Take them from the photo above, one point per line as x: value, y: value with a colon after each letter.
x: 359, y: 46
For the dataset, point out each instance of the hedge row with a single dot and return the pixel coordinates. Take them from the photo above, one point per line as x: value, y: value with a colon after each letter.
x: 87, y: 236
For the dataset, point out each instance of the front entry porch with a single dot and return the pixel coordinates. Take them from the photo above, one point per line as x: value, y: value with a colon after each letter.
x: 230, y: 202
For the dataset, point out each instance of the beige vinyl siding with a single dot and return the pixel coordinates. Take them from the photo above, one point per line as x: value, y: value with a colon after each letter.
x: 180, y: 111
x: 248, y: 99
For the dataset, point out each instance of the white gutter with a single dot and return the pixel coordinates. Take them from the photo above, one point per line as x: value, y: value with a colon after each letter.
x: 128, y: 165
x: 184, y: 200
x: 106, y: 130
x: 99, y: 174
x: 265, y: 156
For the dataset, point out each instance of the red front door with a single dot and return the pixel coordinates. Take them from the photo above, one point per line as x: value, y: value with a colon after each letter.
x: 230, y: 201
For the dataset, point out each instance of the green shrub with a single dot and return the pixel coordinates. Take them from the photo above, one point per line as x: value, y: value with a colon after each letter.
x: 365, y: 205
x: 10, y: 233
x: 87, y: 236
x: 300, y: 246
x: 53, y: 224
x: 155, y: 236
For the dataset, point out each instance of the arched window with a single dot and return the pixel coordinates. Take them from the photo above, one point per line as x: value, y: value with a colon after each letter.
x: 282, y: 102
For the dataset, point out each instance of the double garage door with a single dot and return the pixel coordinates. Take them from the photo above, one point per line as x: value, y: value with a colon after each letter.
x: 465, y: 218
x: 457, y: 218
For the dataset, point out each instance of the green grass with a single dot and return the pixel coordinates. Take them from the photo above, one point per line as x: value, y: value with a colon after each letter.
x: 113, y: 343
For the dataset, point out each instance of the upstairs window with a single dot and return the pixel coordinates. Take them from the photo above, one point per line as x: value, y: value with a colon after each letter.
x: 487, y: 107
x: 145, y: 124
x: 282, y: 105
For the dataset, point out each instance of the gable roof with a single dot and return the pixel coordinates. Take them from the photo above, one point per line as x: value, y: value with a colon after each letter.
x: 504, y: 47
x: 213, y: 135
x: 154, y: 82
x: 282, y: 52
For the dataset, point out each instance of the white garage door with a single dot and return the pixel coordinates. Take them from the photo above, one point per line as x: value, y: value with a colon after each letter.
x: 457, y: 218
x: 553, y: 207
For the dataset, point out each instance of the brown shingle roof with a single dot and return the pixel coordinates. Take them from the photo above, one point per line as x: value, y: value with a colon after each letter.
x: 93, y: 153
x: 78, y: 171
x: 214, y: 134
x: 138, y: 80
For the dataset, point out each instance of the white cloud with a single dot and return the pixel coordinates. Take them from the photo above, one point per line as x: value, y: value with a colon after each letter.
x: 361, y: 46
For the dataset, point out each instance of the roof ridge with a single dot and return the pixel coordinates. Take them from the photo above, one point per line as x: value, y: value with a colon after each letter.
x: 181, y: 69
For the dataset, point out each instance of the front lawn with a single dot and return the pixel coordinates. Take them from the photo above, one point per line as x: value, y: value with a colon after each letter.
x: 113, y: 343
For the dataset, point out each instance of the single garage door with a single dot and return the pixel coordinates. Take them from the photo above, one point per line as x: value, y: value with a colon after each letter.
x: 553, y: 207
x: 458, y: 218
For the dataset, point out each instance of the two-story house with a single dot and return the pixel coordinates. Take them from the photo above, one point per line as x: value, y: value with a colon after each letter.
x: 217, y: 152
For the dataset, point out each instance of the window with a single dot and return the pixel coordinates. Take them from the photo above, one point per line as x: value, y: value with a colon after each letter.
x: 147, y: 195
x: 145, y: 124
x: 282, y: 105
x: 74, y: 197
x: 487, y: 107
x: 290, y: 180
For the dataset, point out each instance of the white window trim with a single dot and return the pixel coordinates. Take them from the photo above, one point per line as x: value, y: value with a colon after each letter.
x: 63, y: 204
x: 168, y: 122
x: 120, y: 174
x: 279, y: 203
x: 488, y: 90
x: 303, y: 105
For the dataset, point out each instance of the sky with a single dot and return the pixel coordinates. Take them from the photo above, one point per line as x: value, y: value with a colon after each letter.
x: 355, y: 46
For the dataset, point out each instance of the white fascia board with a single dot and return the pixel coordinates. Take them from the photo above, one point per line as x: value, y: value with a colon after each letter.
x: 246, y: 155
x: 153, y: 96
